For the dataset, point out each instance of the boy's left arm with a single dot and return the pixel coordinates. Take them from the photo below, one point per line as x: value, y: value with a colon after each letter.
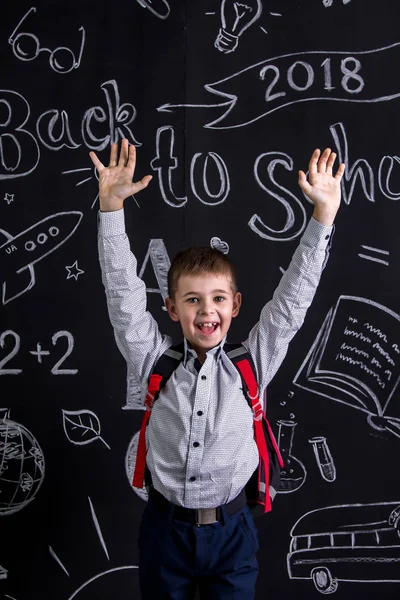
x: 282, y: 316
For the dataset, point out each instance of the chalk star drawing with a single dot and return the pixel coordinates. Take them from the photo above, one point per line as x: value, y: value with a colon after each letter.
x: 9, y: 198
x: 74, y: 271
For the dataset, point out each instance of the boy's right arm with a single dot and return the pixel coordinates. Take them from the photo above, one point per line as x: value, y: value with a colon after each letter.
x: 136, y: 332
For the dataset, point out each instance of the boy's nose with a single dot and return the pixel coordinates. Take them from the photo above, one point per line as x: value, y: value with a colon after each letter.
x: 207, y: 308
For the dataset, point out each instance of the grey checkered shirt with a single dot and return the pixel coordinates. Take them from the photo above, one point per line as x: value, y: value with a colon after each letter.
x: 201, y: 448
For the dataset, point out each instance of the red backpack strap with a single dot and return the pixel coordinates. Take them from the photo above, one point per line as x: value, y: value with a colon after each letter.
x: 162, y: 371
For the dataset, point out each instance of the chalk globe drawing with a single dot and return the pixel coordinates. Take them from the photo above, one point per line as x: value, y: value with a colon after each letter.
x: 130, y: 461
x: 21, y: 466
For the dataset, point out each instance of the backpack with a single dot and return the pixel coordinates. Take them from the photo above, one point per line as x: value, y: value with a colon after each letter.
x: 263, y: 484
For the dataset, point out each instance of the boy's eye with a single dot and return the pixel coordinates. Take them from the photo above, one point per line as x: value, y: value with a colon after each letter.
x: 219, y: 298
x: 192, y: 300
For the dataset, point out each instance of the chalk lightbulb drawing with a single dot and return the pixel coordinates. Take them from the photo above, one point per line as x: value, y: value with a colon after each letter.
x: 236, y: 17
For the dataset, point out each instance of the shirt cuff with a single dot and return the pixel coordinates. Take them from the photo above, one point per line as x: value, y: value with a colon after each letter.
x: 111, y: 223
x: 318, y: 235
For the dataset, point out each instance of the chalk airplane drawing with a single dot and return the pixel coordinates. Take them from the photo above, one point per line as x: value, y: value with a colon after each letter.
x: 19, y: 253
x: 62, y: 59
x: 349, y: 542
x: 355, y: 360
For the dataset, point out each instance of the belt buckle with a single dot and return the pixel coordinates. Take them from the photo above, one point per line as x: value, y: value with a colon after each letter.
x: 206, y: 516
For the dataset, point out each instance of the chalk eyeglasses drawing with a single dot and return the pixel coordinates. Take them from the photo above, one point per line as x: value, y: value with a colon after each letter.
x: 26, y: 47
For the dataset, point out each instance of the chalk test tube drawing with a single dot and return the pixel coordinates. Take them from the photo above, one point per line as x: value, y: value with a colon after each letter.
x: 82, y: 427
x: 159, y: 8
x: 350, y: 542
x: 324, y: 458
x: 355, y: 360
x: 19, y: 253
x: 26, y: 47
x: 278, y: 82
x: 130, y: 462
x: 236, y: 17
x: 22, y: 466
x: 294, y: 472
x: 3, y: 573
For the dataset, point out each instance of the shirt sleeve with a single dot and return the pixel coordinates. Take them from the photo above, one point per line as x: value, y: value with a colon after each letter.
x: 283, y: 316
x: 136, y: 331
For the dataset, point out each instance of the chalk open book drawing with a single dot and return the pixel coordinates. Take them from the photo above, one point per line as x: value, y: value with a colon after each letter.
x: 355, y: 360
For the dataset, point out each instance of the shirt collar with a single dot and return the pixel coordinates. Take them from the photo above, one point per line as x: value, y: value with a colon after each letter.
x: 188, y: 351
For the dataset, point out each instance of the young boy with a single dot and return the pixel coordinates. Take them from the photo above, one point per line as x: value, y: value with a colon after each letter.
x: 201, y: 448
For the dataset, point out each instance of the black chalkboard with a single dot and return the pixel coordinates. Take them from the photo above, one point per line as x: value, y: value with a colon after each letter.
x: 225, y: 102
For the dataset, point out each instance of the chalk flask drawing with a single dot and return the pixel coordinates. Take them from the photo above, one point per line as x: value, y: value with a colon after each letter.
x: 22, y: 465
x: 355, y: 360
x: 294, y: 473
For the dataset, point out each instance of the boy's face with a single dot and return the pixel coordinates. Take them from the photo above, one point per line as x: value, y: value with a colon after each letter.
x: 204, y: 305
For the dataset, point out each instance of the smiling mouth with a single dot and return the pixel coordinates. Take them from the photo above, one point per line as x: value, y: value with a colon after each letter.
x: 207, y: 328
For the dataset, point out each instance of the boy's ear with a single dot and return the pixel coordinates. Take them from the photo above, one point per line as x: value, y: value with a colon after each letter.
x: 171, y: 308
x: 237, y: 302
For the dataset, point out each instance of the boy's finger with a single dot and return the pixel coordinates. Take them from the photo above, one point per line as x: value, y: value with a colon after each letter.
x: 143, y: 183
x: 123, y: 155
x: 303, y: 183
x: 340, y: 171
x: 312, y: 167
x: 97, y: 163
x: 131, y: 164
x: 330, y: 162
x: 323, y: 159
x: 113, y: 155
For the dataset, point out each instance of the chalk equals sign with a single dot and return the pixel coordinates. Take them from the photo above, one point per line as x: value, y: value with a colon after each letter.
x: 375, y: 258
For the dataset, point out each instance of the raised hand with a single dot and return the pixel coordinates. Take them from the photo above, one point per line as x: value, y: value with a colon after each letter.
x: 322, y: 187
x: 115, y: 181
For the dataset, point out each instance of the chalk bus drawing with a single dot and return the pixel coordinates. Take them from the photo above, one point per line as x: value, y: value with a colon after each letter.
x: 82, y: 427
x: 62, y: 59
x: 354, y: 360
x: 22, y: 466
x: 19, y: 253
x: 324, y: 458
x: 236, y: 17
x: 350, y: 542
x: 294, y: 472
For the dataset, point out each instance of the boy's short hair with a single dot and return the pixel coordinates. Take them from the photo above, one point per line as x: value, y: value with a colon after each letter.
x: 198, y: 260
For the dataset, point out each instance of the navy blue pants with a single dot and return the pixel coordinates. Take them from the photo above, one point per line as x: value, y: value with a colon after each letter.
x: 176, y: 557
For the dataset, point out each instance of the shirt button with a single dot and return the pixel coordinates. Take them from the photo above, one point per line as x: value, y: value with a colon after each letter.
x: 199, y: 412
x: 203, y: 377
x: 192, y: 478
x: 327, y: 237
x: 196, y: 444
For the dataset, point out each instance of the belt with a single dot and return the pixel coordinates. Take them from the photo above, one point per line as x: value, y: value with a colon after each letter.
x: 198, y: 516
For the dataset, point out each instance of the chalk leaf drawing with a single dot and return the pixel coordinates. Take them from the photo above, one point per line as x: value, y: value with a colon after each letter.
x: 355, y: 360
x: 21, y: 465
x: 82, y: 427
x: 354, y: 542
